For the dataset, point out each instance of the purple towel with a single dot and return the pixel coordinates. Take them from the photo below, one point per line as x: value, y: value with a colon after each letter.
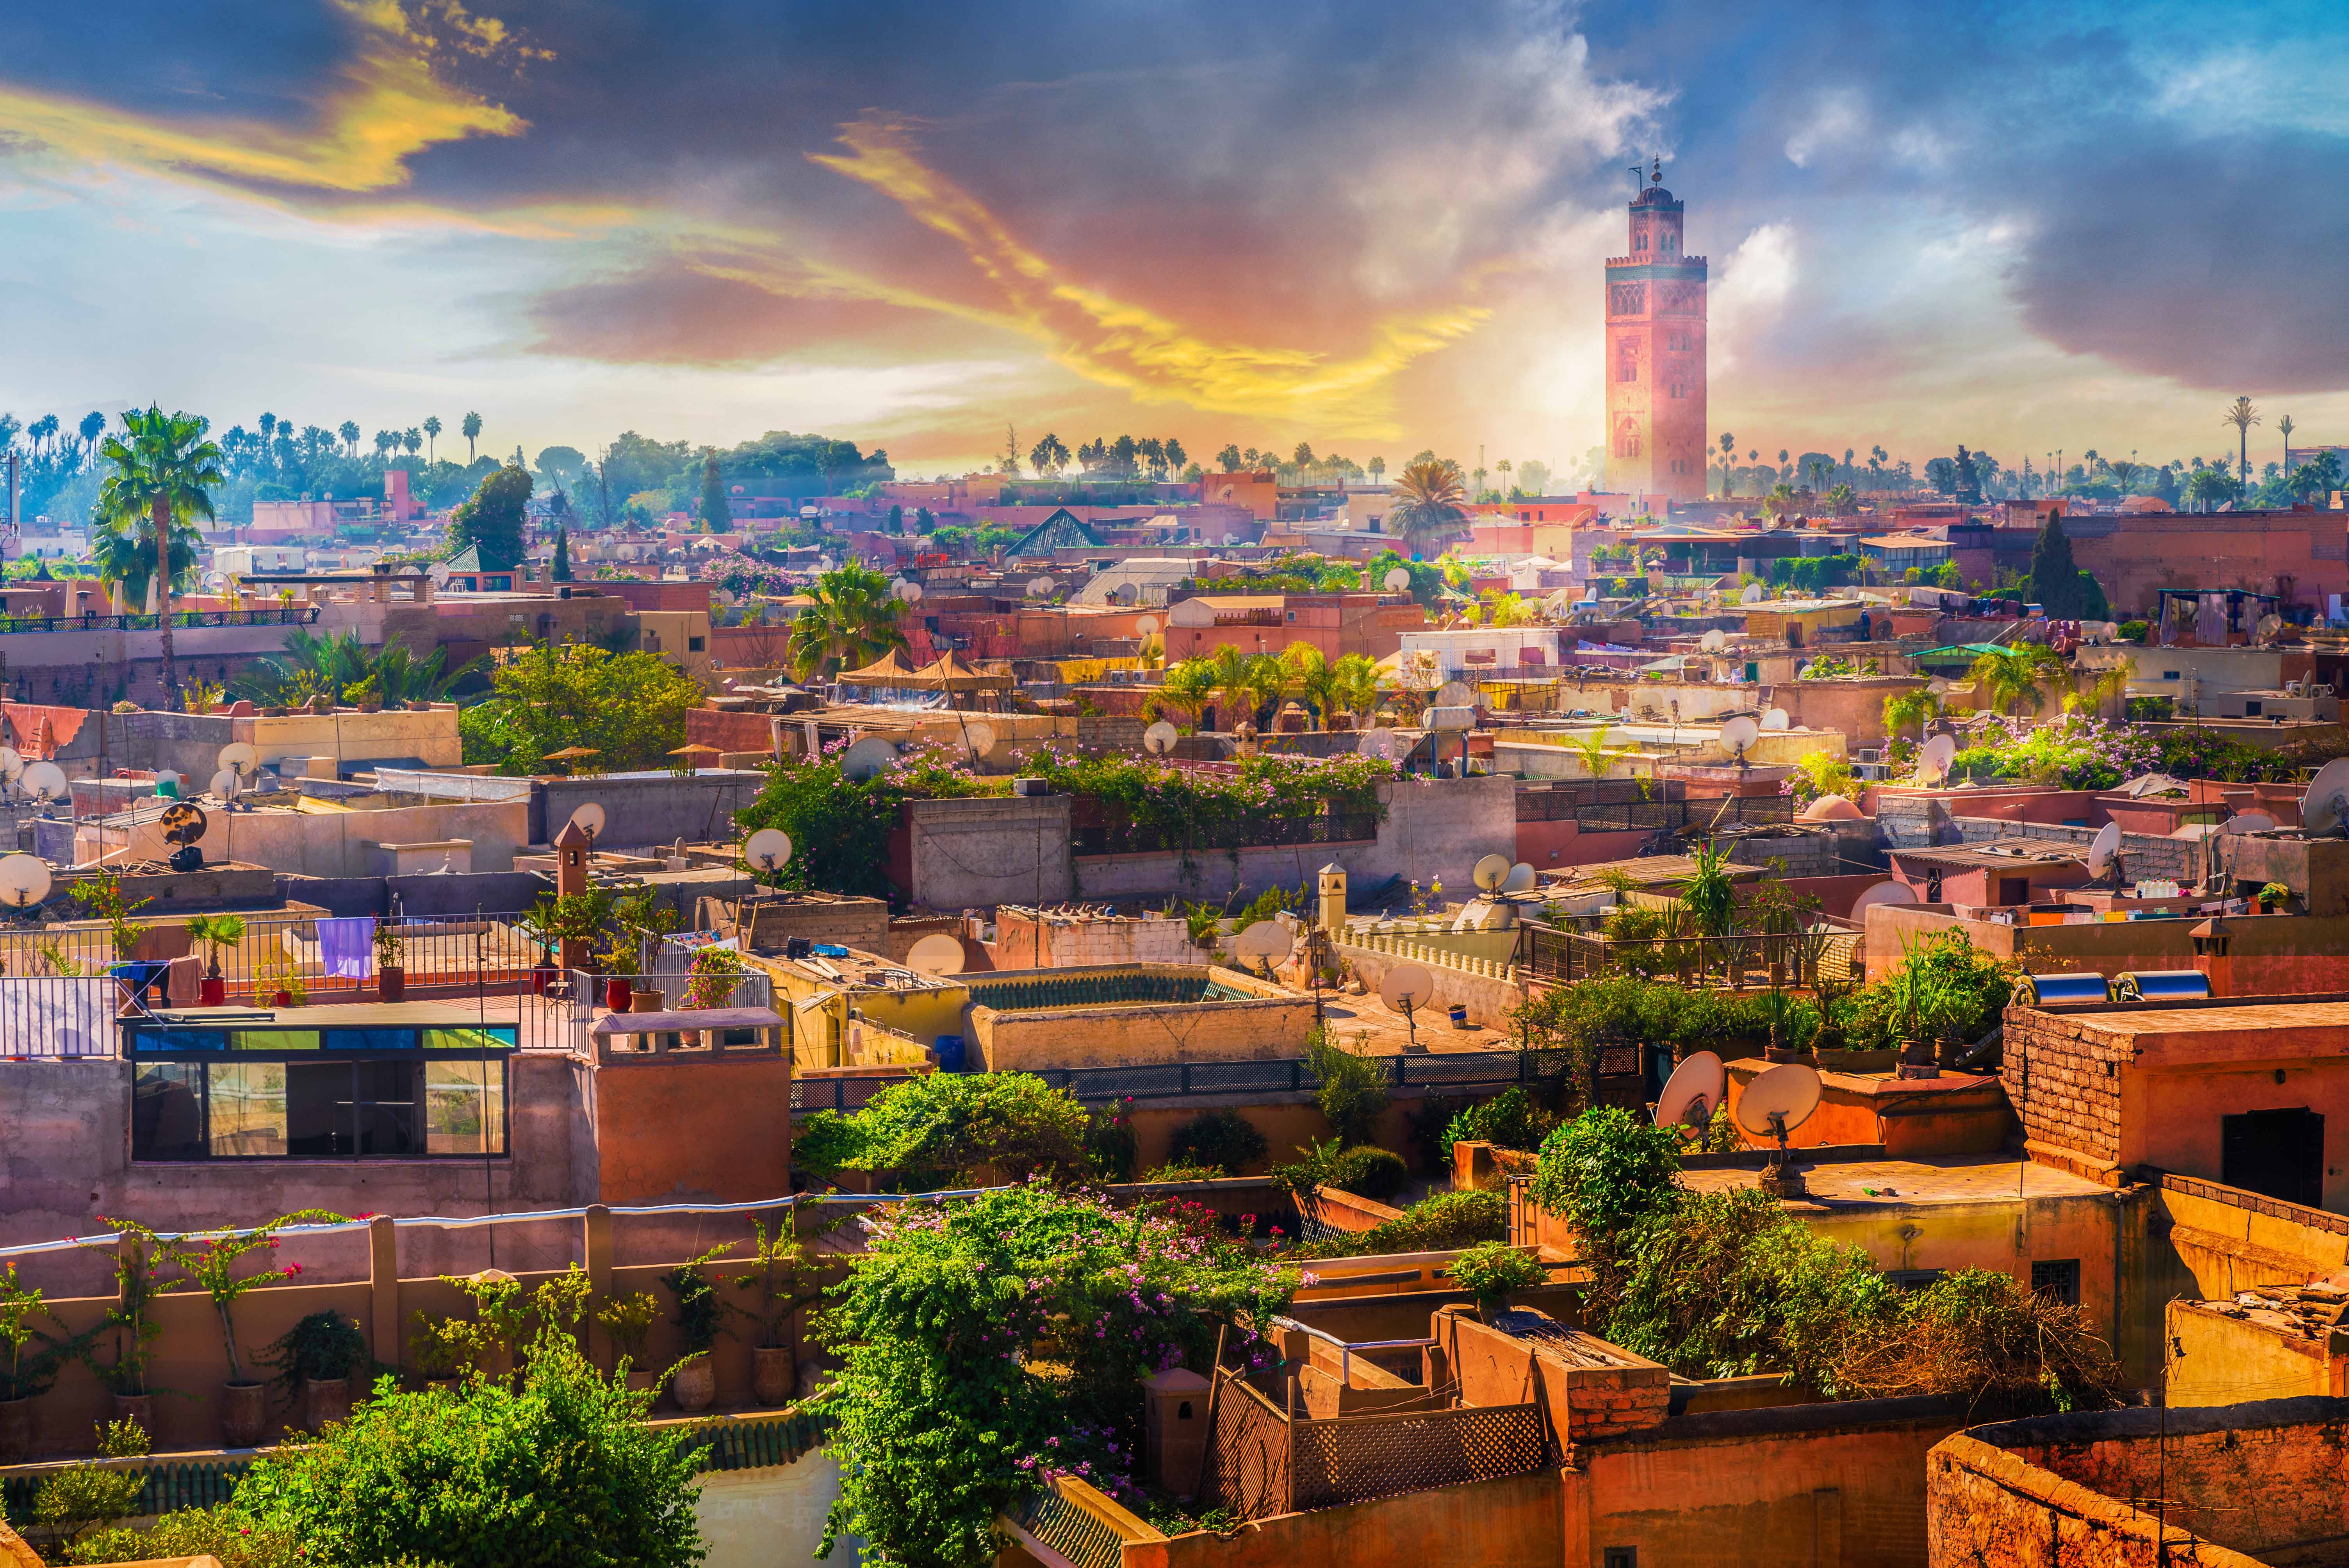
x: 346, y: 947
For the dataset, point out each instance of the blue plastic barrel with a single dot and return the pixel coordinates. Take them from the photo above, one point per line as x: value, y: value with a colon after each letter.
x: 950, y: 1049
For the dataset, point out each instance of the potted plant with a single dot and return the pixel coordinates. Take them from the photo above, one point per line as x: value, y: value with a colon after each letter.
x: 700, y: 1317
x: 710, y: 981
x: 440, y: 1349
x: 315, y: 1358
x: 777, y: 1284
x: 140, y: 1257
x: 628, y: 1319
x: 277, y: 976
x: 1491, y: 1271
x: 638, y: 920
x: 500, y: 1319
x: 572, y: 924
x: 390, y: 957
x: 216, y: 931
x: 25, y: 1374
x: 2272, y: 897
x: 211, y: 1261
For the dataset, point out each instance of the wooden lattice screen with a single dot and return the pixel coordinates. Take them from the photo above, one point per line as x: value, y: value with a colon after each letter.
x: 1249, y: 1464
x: 1352, y: 1459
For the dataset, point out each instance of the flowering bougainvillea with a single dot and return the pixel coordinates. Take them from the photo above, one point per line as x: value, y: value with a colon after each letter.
x: 990, y: 1343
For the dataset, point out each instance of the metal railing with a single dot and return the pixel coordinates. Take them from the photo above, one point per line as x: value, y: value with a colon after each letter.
x: 1737, y: 961
x: 1675, y: 815
x: 1451, y: 1070
x: 294, y: 615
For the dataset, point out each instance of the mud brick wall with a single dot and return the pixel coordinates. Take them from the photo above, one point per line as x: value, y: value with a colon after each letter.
x: 2063, y: 1077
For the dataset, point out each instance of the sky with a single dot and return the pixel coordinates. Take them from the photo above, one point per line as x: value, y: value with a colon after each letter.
x: 1375, y: 227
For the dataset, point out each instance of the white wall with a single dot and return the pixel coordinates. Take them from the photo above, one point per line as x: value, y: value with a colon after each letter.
x: 772, y: 1517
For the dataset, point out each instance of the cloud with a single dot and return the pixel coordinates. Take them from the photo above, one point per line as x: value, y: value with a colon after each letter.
x: 1753, y: 286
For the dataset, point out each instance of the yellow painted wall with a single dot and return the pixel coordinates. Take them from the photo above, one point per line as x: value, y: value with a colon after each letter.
x: 768, y: 1518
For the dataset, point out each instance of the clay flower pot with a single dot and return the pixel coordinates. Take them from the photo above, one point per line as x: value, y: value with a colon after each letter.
x: 642, y: 1379
x: 212, y: 992
x: 325, y: 1399
x: 647, y: 1001
x: 694, y: 1385
x: 615, y: 994
x: 391, y: 984
x: 775, y: 1375
x: 244, y: 1414
x: 16, y: 1431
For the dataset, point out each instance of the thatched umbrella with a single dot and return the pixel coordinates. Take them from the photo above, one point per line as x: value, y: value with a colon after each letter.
x: 694, y: 750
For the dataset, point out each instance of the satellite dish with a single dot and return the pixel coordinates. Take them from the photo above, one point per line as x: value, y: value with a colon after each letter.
x: 1039, y: 587
x: 1453, y: 694
x: 1521, y: 879
x: 1882, y: 892
x: 1776, y: 719
x: 2268, y: 627
x: 906, y: 588
x: 45, y: 782
x: 1937, y: 686
x: 239, y: 757
x: 1407, y: 987
x: 1396, y: 579
x: 24, y: 880
x: 1713, y: 642
x: 2323, y: 808
x: 1492, y: 871
x: 1451, y: 718
x: 2248, y: 822
x: 981, y: 738
x: 1266, y: 939
x: 1377, y: 743
x: 589, y: 818
x: 1693, y: 1092
x: 1160, y: 739
x: 1753, y: 595
x: 1779, y: 1101
x: 226, y: 784
x: 1146, y: 624
x: 2103, y: 851
x: 769, y: 850
x: 184, y: 823
x: 11, y: 765
x: 936, y: 954
x: 1739, y: 735
x: 865, y: 759
x: 1933, y: 759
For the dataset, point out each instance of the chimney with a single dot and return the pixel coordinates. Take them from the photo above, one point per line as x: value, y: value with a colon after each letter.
x: 2210, y: 942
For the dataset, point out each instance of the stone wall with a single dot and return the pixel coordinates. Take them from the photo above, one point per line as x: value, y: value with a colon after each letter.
x: 2062, y: 1076
x: 1488, y: 988
x: 2238, y: 1484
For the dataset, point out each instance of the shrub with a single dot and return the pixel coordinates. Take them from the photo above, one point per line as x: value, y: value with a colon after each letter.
x: 1353, y: 1094
x: 1440, y: 1222
x: 1510, y: 1119
x: 1982, y: 1336
x: 1224, y: 1138
x: 91, y: 1496
x: 1491, y: 1271
x: 1607, y: 1172
x: 1175, y: 1171
x: 1372, y: 1172
x: 952, y: 1130
x: 562, y: 1471
x: 221, y: 1532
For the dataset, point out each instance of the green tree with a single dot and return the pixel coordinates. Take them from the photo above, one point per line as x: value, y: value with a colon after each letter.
x: 562, y: 1471
x: 853, y: 621
x: 990, y: 1342
x: 1188, y: 687
x: 2054, y: 575
x: 946, y: 1130
x: 716, y: 516
x: 630, y: 709
x: 164, y: 468
x: 470, y: 428
x: 491, y: 520
x: 2012, y: 676
x: 1429, y: 503
x: 349, y: 432
x: 560, y: 572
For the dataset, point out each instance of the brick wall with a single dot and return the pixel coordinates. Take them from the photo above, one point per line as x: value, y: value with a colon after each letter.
x: 2063, y: 1077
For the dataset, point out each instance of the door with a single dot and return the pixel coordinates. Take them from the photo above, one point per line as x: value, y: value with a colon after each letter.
x: 2014, y: 889
x: 2275, y: 1153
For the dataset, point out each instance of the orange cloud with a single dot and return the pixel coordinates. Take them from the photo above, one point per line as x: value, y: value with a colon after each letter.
x: 388, y: 105
x: 1126, y: 346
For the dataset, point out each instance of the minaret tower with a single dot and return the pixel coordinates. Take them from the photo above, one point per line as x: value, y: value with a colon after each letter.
x: 1656, y: 439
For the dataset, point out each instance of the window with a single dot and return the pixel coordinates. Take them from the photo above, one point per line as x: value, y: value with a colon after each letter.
x: 1629, y: 370
x: 333, y: 1093
x: 2251, y: 709
x: 2058, y: 1280
x: 2275, y: 1153
x: 1911, y: 1279
x: 1622, y: 1557
x: 693, y: 645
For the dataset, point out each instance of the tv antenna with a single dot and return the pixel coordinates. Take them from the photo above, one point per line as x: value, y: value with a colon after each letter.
x: 979, y: 737
x: 12, y: 768
x: 1774, y: 1106
x: 1713, y: 642
x: 1407, y: 989
x: 1753, y: 595
x: 1521, y: 878
x: 767, y: 852
x: 1692, y: 1093
x: 1777, y: 718
x: 2323, y: 807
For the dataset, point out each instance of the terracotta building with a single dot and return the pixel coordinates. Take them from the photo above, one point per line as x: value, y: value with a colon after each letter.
x: 1656, y: 437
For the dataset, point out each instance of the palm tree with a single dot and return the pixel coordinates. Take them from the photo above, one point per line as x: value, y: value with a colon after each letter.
x: 2124, y: 471
x: 432, y: 429
x: 413, y: 441
x: 384, y: 441
x: 165, y: 469
x: 2009, y: 676
x: 1592, y: 749
x: 1781, y: 498
x: 2283, y: 429
x: 1429, y: 496
x: 1728, y: 455
x: 1378, y: 471
x: 1189, y: 687
x: 2095, y: 689
x: 93, y: 425
x: 470, y: 427
x: 1505, y: 469
x: 349, y: 432
x: 1314, y: 680
x: 1916, y: 706
x: 853, y: 621
x: 1355, y: 683
x: 1507, y: 610
x: 2242, y: 416
x: 341, y: 669
x: 124, y: 558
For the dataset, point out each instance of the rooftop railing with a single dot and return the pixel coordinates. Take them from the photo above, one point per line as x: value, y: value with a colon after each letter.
x: 183, y: 620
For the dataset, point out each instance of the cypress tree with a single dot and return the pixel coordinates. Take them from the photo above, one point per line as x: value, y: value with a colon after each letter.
x: 2054, y: 576
x: 561, y: 570
x: 714, y: 517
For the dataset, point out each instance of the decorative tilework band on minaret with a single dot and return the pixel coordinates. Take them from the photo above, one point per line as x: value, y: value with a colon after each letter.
x: 1656, y: 439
